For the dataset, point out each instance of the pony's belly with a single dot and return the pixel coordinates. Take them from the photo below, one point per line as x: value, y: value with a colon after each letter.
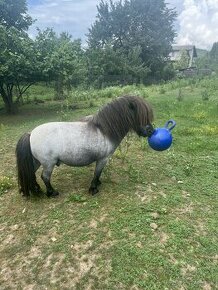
x: 85, y: 150
x: 77, y: 160
x: 85, y: 154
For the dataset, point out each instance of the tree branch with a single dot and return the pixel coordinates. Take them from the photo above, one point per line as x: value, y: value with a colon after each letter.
x: 23, y: 89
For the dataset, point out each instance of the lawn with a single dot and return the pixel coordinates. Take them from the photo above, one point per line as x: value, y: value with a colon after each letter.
x: 153, y: 225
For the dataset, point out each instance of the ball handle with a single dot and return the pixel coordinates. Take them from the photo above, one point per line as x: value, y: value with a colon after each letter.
x: 170, y: 122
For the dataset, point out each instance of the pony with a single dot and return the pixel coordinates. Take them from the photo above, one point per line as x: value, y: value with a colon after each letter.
x: 80, y: 143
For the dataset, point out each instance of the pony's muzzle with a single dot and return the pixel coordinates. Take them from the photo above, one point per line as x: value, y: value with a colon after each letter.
x: 147, y: 131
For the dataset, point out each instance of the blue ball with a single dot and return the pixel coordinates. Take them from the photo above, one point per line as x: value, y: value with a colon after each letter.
x: 161, y: 139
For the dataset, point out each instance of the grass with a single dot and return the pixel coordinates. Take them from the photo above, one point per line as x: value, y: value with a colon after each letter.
x: 152, y: 226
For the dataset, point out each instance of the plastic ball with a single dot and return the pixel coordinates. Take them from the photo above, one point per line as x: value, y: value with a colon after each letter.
x: 160, y: 140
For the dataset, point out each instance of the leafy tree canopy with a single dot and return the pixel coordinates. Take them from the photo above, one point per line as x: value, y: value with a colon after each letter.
x: 127, y: 24
x: 107, y: 66
x: 210, y: 59
x: 61, y: 59
x: 183, y: 61
x: 14, y: 14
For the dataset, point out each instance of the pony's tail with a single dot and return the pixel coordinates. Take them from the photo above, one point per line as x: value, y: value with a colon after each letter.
x: 25, y: 166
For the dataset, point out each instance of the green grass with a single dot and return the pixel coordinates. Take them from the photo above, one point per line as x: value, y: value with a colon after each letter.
x: 154, y: 223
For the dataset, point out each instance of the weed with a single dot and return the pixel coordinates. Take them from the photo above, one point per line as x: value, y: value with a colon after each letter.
x: 179, y: 96
x: 200, y: 115
x: 188, y: 169
x: 91, y: 104
x: 5, y: 184
x: 65, y: 111
x: 162, y: 90
x: 123, y: 149
x: 76, y: 198
x: 205, y: 95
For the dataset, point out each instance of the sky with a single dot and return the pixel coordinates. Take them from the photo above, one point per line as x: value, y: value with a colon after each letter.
x: 197, y: 21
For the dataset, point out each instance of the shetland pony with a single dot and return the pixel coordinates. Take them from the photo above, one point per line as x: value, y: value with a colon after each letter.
x: 93, y: 139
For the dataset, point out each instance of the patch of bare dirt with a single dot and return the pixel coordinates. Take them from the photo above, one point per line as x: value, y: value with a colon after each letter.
x: 42, y: 263
x: 200, y: 228
x: 25, y: 272
x: 145, y: 194
x: 163, y: 238
x: 173, y: 260
x: 206, y: 286
x: 188, y: 209
x: 93, y: 224
x: 187, y: 269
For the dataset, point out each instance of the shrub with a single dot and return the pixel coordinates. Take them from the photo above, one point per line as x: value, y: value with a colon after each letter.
x: 179, y: 96
x: 205, y: 95
x: 162, y: 90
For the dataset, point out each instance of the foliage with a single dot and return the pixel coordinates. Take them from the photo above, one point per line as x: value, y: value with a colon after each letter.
x: 62, y: 59
x: 183, y: 61
x: 214, y: 52
x: 210, y: 59
x: 129, y: 43
x: 14, y: 14
x: 17, y: 55
x: 205, y: 95
x: 109, y: 67
x: 132, y: 26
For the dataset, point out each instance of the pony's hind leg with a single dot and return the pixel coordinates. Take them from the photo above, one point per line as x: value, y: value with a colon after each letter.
x: 36, y: 165
x: 46, y: 176
x: 100, y: 164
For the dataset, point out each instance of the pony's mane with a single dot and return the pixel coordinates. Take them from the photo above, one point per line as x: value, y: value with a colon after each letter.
x: 120, y: 116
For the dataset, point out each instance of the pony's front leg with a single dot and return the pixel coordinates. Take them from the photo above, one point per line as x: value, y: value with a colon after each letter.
x: 46, y: 176
x: 100, y: 164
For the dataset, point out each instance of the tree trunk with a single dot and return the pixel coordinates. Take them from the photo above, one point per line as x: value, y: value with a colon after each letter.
x: 7, y: 96
x: 59, y: 88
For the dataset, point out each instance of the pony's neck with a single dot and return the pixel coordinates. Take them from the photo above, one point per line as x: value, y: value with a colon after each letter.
x: 114, y: 134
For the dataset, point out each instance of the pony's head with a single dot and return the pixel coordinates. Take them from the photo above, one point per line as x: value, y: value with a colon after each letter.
x: 123, y: 114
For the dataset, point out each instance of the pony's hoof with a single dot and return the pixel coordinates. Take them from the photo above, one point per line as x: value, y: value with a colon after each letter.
x: 93, y: 190
x: 38, y: 191
x: 52, y: 194
x: 27, y: 196
x: 98, y: 182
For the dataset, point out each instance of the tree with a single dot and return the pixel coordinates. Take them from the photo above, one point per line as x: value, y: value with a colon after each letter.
x: 183, y: 61
x: 19, y: 69
x: 210, y: 59
x: 214, y: 52
x: 17, y: 56
x: 62, y: 60
x: 125, y: 25
x: 109, y: 67
x: 14, y: 14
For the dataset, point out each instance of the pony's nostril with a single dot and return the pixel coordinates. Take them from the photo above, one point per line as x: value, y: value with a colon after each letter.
x: 146, y: 131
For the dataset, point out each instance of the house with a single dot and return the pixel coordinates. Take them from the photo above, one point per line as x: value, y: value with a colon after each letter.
x: 178, y: 50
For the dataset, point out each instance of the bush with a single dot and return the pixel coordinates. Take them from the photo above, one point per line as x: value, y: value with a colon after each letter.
x: 162, y: 90
x: 205, y: 95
